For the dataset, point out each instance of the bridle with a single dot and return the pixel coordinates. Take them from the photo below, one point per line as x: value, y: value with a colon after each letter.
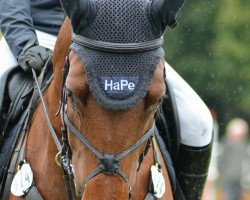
x: 108, y: 163
x: 117, y: 47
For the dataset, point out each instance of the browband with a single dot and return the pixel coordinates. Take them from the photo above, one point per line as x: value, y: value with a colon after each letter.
x: 117, y: 47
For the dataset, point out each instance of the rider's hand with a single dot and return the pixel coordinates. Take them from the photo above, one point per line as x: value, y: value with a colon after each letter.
x: 33, y: 56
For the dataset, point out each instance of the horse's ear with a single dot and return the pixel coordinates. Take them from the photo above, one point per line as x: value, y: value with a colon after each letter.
x: 80, y: 12
x: 163, y: 13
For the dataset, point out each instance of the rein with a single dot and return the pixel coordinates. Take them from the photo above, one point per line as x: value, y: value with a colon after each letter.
x: 52, y: 131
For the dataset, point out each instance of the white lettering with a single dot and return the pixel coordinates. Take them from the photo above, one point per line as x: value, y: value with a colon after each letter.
x: 108, y: 85
x: 116, y: 86
x: 131, y: 86
x: 119, y: 85
x: 124, y: 83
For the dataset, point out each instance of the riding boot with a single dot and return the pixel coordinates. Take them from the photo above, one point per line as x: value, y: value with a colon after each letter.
x: 191, y: 170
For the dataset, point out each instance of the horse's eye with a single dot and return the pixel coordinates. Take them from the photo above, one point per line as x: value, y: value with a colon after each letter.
x: 69, y: 95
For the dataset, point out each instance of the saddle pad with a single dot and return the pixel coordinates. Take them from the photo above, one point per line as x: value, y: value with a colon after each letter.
x: 7, y: 146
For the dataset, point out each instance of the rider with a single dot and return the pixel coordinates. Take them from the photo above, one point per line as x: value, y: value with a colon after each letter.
x: 29, y: 31
x: 30, y: 28
x: 24, y: 25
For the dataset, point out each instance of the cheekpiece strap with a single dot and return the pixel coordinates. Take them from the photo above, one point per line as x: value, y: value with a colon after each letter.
x: 117, y: 47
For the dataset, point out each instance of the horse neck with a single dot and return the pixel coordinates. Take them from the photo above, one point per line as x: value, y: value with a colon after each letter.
x: 59, y: 56
x: 53, y: 93
x: 41, y: 149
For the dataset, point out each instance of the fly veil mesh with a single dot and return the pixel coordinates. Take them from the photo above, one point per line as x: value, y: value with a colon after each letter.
x: 119, y: 81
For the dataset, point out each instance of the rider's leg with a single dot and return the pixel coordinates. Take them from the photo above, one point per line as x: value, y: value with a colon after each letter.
x: 196, y: 126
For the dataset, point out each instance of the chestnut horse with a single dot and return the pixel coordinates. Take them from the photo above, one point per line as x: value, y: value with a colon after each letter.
x: 107, y: 131
x: 110, y: 153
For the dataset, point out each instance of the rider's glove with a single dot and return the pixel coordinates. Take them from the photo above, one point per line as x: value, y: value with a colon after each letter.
x: 33, y: 56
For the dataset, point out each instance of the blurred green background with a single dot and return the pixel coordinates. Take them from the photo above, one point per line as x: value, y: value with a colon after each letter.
x: 210, y: 49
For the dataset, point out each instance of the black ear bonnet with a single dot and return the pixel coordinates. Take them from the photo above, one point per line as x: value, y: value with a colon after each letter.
x: 161, y: 13
x: 120, y: 80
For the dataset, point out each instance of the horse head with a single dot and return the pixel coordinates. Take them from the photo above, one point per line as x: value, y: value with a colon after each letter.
x: 110, y: 132
x: 113, y: 88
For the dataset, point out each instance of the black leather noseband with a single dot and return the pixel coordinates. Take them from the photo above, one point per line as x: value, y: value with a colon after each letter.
x: 108, y: 163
